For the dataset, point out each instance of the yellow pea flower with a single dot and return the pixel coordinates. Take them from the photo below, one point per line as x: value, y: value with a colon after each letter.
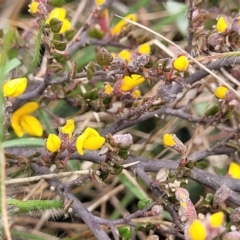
x: 217, y: 220
x: 125, y: 54
x: 180, y: 63
x: 234, y: 170
x: 196, y: 230
x: 221, y: 25
x: 33, y: 7
x: 90, y: 139
x: 168, y: 140
x: 53, y: 143
x: 117, y: 29
x: 14, y: 87
x: 22, y: 122
x: 129, y: 83
x: 221, y: 92
x: 144, y: 48
x: 68, y: 128
x: 60, y: 14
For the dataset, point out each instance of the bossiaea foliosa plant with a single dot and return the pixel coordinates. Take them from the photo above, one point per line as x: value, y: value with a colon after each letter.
x: 119, y: 128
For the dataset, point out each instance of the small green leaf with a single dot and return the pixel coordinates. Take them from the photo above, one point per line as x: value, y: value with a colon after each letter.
x: 212, y: 111
x: 55, y: 25
x: 144, y: 203
x: 59, y: 45
x: 103, y: 57
x: 124, y: 232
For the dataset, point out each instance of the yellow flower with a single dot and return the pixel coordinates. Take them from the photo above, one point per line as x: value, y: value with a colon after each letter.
x: 234, y: 170
x: 168, y: 140
x: 136, y: 93
x: 89, y: 140
x: 221, y: 25
x: 53, y: 143
x: 108, y: 89
x: 129, y: 83
x: 33, y: 7
x: 15, y: 87
x: 68, y: 128
x: 60, y: 14
x: 144, y: 48
x: 22, y: 121
x: 221, y: 92
x: 196, y: 230
x: 125, y: 54
x: 180, y: 63
x: 217, y: 220
x: 117, y: 29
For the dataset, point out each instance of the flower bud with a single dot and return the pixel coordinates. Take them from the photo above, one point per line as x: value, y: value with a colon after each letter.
x: 222, y: 194
x: 53, y: 143
x: 235, y: 216
x: 171, y: 140
x: 122, y: 141
x: 221, y: 25
x: 104, y: 58
x: 180, y: 63
x: 14, y: 87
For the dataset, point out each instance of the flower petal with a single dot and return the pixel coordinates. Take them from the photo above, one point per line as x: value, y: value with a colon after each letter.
x: 234, y: 170
x: 221, y: 25
x: 33, y: 7
x: 196, y: 230
x: 144, y: 48
x: 59, y: 13
x: 180, y: 63
x: 117, y: 29
x: 90, y: 139
x: 17, y: 129
x: 221, y: 92
x: 168, y: 140
x: 26, y: 108
x: 125, y: 54
x: 217, y: 220
x: 93, y: 143
x: 31, y: 125
x: 68, y: 128
x: 15, y: 87
x: 65, y: 26
x: 129, y: 83
x: 53, y: 143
